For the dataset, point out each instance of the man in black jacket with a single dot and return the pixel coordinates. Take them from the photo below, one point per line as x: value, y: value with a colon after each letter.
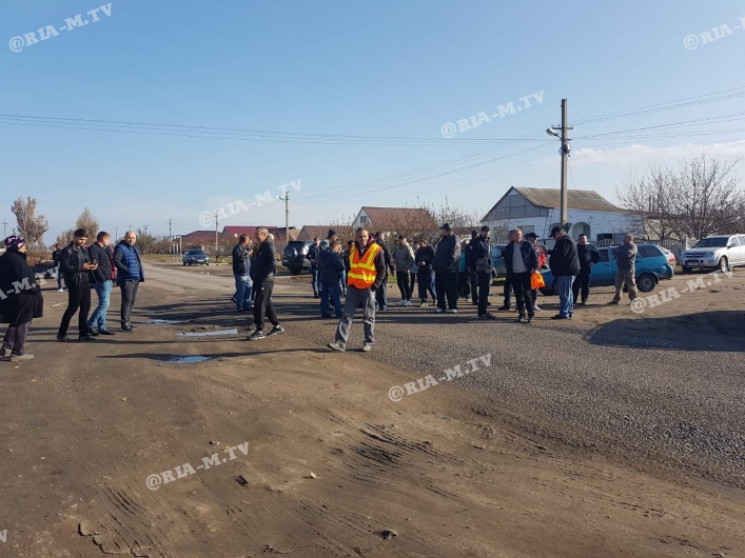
x: 478, y: 260
x: 588, y: 256
x: 56, y: 255
x: 445, y: 265
x: 521, y: 261
x: 314, y: 251
x: 241, y: 269
x: 76, y: 264
x: 262, y: 272
x: 381, y: 293
x: 564, y: 265
x: 103, y: 276
x: 423, y: 259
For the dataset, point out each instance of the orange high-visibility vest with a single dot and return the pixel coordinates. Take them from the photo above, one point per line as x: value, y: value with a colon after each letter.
x: 362, y: 271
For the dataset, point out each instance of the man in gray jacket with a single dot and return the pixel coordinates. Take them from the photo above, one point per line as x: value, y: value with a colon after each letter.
x: 403, y: 259
x: 625, y: 256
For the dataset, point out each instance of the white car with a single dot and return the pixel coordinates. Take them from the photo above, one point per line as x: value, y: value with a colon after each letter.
x: 722, y: 252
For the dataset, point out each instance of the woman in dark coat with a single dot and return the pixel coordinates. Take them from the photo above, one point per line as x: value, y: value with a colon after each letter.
x: 20, y: 298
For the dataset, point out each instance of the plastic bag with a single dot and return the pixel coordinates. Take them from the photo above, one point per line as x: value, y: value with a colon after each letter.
x: 536, y: 281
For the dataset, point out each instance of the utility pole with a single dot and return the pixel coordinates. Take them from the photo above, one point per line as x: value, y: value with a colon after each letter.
x: 5, y: 224
x: 217, y: 218
x: 170, y: 236
x: 286, y: 199
x: 564, y: 151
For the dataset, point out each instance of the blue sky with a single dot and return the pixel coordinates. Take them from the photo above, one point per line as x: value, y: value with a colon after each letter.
x: 389, y: 73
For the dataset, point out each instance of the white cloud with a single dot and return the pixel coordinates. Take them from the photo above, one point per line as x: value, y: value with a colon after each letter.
x: 646, y: 153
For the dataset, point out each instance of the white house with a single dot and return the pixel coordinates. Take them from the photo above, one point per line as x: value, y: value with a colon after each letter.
x: 538, y: 210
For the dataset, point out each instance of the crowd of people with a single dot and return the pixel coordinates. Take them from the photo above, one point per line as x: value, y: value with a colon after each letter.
x: 450, y: 271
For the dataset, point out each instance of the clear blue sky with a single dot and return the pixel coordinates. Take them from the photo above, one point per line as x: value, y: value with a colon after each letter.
x: 370, y: 69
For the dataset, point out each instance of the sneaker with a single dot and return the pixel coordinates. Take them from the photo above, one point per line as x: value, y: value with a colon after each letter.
x: 559, y: 317
x: 256, y: 335
x: 93, y: 331
x: 504, y: 307
x: 423, y: 304
x: 276, y: 330
x: 407, y: 303
x: 453, y: 310
x: 536, y: 308
x: 529, y: 320
x: 63, y: 339
x: 126, y: 328
x: 583, y: 303
x: 105, y: 332
x: 367, y: 347
x: 522, y: 320
x: 60, y: 290
x: 440, y: 310
x: 487, y: 316
x: 19, y: 358
x: 614, y: 302
x: 4, y: 355
x: 337, y: 346
x: 85, y: 339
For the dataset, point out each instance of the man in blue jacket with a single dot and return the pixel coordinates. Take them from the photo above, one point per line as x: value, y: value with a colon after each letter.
x: 129, y: 275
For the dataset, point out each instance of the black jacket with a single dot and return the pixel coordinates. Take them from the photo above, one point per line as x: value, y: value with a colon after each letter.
x: 386, y: 257
x: 104, y: 257
x: 588, y: 256
x: 240, y: 259
x: 330, y: 267
x: 313, y: 254
x: 528, y: 253
x: 71, y: 264
x: 20, y: 295
x: 264, y: 262
x: 478, y: 249
x: 56, y: 256
x: 447, y: 255
x: 424, y: 255
x: 564, y: 260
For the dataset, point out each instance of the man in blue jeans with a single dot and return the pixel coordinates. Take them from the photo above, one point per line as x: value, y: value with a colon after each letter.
x: 564, y: 264
x: 101, y: 253
x: 241, y: 272
x: 314, y: 251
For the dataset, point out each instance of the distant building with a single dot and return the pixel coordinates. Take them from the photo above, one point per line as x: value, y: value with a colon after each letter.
x: 309, y: 232
x: 394, y: 219
x: 234, y: 231
x: 538, y: 210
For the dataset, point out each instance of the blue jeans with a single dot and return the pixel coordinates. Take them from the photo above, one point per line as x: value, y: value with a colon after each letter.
x: 314, y: 279
x: 563, y: 287
x: 343, y: 282
x: 334, y: 290
x: 98, y: 318
x: 243, y: 291
x: 59, y: 276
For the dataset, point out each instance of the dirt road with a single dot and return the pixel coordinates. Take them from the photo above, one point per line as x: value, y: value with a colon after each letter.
x: 282, y: 447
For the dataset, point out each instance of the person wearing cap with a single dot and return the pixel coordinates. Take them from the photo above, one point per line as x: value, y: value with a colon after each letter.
x: 20, y: 299
x: 541, y: 253
x: 521, y: 261
x: 367, y: 271
x: 564, y: 265
x: 403, y: 258
x: 473, y: 279
x: 76, y: 264
x: 481, y: 264
x: 445, y: 266
x: 588, y: 256
x: 464, y: 282
x: 381, y: 293
x: 314, y: 251
x: 507, y: 279
x: 424, y: 257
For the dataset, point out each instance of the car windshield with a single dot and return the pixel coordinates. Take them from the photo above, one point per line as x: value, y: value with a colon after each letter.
x: 196, y: 253
x: 711, y: 243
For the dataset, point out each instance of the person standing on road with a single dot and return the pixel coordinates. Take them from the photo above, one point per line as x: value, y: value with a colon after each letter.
x: 564, y: 265
x: 313, y: 252
x: 242, y: 275
x: 424, y: 257
x: 18, y: 305
x: 588, y: 256
x: 381, y: 294
x: 481, y: 265
x: 625, y: 256
x: 56, y: 259
x: 464, y: 281
x: 521, y: 261
x: 445, y: 265
x: 129, y: 275
x: 76, y: 263
x: 367, y: 272
x: 330, y: 268
x: 414, y: 270
x: 345, y: 258
x: 541, y: 253
x: 403, y: 259
x: 101, y: 252
x: 263, y: 269
x: 507, y: 283
x: 473, y: 277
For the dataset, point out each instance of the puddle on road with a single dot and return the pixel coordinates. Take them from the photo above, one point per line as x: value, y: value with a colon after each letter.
x: 218, y: 333
x: 165, y: 322
x: 188, y: 359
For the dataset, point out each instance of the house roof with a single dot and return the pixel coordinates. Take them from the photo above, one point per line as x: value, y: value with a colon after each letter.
x: 279, y: 232
x: 309, y: 232
x: 384, y: 216
x: 588, y: 200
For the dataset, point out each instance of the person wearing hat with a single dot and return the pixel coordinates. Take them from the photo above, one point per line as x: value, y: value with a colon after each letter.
x: 481, y: 264
x: 473, y: 279
x: 423, y: 258
x: 445, y: 266
x: 564, y: 264
x: 20, y: 299
x: 541, y: 253
x: 588, y: 256
x: 403, y: 258
x: 76, y: 264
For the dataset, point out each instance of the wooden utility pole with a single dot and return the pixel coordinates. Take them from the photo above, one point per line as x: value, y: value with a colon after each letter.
x: 565, y: 139
x: 287, y: 217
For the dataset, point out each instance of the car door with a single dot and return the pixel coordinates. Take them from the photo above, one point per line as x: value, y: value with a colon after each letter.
x: 739, y: 249
x: 604, y: 272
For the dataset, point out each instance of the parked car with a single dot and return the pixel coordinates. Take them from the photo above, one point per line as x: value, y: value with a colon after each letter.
x: 722, y: 252
x: 670, y: 257
x: 651, y: 266
x: 192, y: 257
x: 295, y: 256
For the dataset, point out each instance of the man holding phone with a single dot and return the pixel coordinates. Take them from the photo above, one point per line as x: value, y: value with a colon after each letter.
x: 102, y: 254
x: 76, y: 264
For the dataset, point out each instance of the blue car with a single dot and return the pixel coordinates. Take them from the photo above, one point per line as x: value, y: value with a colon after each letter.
x: 651, y: 266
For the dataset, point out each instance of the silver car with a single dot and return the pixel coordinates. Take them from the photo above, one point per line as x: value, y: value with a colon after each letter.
x: 722, y: 252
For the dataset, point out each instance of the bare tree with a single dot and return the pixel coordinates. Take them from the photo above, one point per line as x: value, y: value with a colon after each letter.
x: 651, y: 197
x: 31, y: 226
x: 86, y: 221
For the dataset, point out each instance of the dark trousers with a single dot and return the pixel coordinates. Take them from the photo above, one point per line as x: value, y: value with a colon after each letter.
x: 484, y: 282
x: 446, y: 285
x: 129, y: 297
x: 412, y: 282
x: 464, y: 284
x: 78, y: 297
x: 314, y: 273
x: 523, y: 296
x: 582, y: 282
x: 474, y: 280
x: 381, y: 294
x: 425, y: 284
x: 331, y: 291
x: 263, y: 304
x: 507, y: 287
x: 14, y: 341
x: 402, y: 278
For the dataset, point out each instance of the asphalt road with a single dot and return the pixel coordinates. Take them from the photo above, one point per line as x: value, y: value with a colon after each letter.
x: 639, y: 390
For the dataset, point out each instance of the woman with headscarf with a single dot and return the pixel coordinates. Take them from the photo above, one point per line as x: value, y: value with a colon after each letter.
x: 20, y: 299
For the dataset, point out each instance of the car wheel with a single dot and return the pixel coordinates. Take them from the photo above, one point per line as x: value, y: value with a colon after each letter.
x: 686, y: 269
x: 723, y: 265
x: 646, y: 282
